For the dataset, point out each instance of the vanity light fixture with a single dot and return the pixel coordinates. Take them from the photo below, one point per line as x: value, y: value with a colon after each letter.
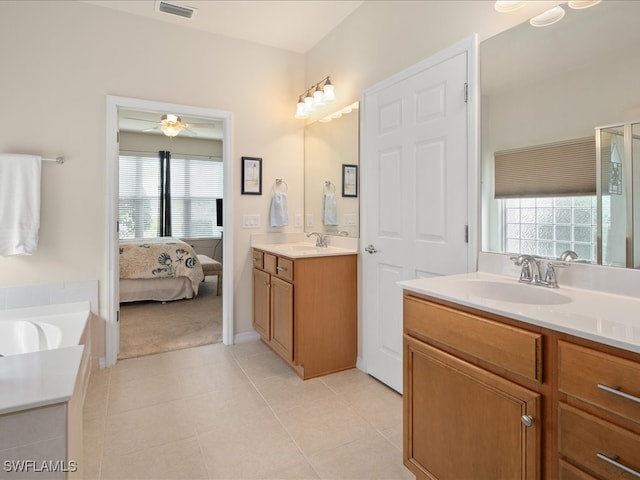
x: 315, y: 97
x: 549, y: 17
x: 505, y: 6
x: 581, y: 4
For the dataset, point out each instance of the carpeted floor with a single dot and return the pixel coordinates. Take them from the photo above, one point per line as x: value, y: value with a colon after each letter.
x: 154, y: 327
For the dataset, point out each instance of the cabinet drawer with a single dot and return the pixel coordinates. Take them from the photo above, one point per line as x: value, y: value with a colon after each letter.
x: 587, y: 374
x: 284, y: 269
x: 584, y: 438
x: 257, y: 259
x: 512, y: 348
x: 269, y: 262
x: 569, y: 472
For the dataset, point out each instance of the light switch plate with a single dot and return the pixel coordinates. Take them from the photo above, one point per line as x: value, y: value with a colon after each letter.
x: 297, y: 220
x: 309, y: 222
x: 251, y: 220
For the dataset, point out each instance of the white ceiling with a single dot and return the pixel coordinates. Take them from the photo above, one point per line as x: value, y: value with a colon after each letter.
x: 293, y: 25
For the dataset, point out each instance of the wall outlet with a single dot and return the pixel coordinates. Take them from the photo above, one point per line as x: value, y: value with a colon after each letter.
x: 251, y: 221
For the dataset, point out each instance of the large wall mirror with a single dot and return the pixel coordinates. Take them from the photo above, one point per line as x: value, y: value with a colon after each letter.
x: 549, y: 87
x: 331, y: 174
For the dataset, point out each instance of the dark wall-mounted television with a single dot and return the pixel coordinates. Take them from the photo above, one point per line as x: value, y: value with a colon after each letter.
x: 219, y: 212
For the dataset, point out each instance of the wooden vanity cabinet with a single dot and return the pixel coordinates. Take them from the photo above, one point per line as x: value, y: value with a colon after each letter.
x: 305, y: 310
x: 469, y: 374
x: 462, y: 420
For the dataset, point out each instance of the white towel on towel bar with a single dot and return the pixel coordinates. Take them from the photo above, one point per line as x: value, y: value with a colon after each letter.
x: 330, y: 209
x: 19, y: 203
x: 279, y: 210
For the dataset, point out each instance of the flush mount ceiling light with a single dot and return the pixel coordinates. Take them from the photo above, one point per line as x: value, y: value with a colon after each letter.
x: 315, y: 97
x: 579, y: 5
x: 505, y: 6
x: 549, y: 17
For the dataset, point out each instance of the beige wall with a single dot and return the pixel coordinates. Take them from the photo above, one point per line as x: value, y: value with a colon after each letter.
x: 60, y: 60
x: 383, y: 37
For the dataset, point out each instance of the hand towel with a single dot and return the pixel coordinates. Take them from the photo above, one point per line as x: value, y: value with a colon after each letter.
x: 19, y: 203
x: 329, y: 209
x: 279, y: 210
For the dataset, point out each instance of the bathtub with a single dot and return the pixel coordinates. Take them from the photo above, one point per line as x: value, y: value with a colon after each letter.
x: 33, y: 329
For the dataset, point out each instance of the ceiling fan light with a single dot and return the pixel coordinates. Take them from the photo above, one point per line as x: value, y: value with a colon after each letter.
x: 581, y: 4
x: 170, y: 130
x: 506, y: 6
x: 549, y: 17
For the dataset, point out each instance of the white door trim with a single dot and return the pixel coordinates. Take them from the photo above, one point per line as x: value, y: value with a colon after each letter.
x: 470, y: 46
x: 111, y: 242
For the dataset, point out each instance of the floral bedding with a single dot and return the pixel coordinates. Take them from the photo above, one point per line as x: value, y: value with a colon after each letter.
x: 161, y: 257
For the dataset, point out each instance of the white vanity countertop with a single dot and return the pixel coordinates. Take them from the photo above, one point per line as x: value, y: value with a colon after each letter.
x: 602, y: 317
x: 303, y: 250
x: 36, y: 379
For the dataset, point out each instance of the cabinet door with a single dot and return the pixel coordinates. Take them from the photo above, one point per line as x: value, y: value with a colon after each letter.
x: 261, y: 300
x: 282, y: 317
x: 464, y: 422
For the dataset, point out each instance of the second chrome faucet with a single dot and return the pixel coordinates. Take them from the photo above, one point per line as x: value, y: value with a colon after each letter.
x: 321, y: 240
x: 530, y: 272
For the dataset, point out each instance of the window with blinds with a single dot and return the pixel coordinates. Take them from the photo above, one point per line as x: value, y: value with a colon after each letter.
x: 553, y: 170
x: 195, y: 185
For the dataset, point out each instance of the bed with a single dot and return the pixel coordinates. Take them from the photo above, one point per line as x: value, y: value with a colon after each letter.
x: 159, y: 269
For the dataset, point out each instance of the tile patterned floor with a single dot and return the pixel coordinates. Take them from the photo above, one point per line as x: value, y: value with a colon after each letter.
x: 238, y: 412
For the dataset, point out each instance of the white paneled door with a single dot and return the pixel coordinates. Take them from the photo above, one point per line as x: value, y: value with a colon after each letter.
x: 415, y: 196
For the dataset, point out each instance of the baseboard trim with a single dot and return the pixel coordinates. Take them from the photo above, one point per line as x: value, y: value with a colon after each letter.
x: 246, y: 337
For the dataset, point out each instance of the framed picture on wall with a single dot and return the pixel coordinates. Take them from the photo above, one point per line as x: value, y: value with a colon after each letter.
x: 349, y: 180
x: 251, y: 176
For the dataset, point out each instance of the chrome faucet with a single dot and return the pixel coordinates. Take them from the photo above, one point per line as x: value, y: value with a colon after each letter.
x: 568, y: 255
x: 321, y: 240
x: 530, y: 272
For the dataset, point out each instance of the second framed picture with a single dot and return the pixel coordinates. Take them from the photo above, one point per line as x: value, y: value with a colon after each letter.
x: 349, y: 180
x: 251, y: 176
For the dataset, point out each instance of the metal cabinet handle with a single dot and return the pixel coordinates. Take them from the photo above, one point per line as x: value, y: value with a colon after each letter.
x: 616, y: 391
x: 527, y: 420
x: 614, y: 461
x: 281, y: 269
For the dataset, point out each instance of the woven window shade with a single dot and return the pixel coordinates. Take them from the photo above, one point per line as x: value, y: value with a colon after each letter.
x: 552, y: 170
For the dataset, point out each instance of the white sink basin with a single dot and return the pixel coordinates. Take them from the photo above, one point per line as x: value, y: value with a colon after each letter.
x: 513, y: 292
x: 301, y: 248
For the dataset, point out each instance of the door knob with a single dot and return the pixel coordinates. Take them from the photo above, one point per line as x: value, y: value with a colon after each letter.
x: 370, y: 249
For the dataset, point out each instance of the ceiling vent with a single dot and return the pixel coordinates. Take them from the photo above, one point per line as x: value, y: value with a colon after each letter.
x: 174, y: 9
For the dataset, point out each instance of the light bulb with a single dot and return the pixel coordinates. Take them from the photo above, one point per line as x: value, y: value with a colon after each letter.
x: 318, y: 98
x: 301, y: 110
x: 329, y: 93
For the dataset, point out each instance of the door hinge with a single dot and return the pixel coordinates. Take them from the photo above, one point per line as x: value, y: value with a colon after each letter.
x: 466, y: 234
x: 466, y: 93
x: 118, y: 226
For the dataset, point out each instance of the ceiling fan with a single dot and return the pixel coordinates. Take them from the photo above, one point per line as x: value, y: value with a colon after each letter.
x: 171, y: 125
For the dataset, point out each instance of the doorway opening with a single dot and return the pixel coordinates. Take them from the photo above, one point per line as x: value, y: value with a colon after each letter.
x: 150, y: 114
